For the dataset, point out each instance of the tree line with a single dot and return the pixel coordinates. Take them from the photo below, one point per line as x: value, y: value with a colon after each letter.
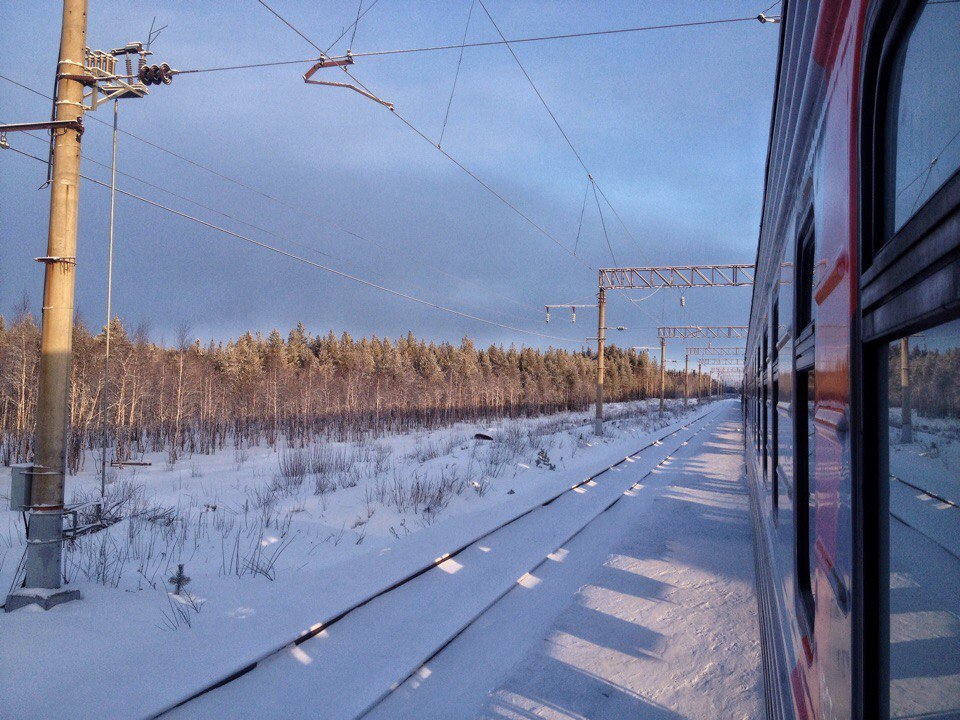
x: 934, y: 377
x: 187, y: 397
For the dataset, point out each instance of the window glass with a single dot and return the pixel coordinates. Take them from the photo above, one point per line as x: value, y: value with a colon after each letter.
x: 805, y: 498
x: 924, y: 113
x: 923, y: 382
x: 806, y: 307
x: 811, y: 498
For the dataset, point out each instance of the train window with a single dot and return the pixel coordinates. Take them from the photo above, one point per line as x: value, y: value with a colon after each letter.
x: 765, y: 440
x: 907, y: 415
x: 923, y: 463
x: 774, y: 402
x: 804, y: 477
x: 923, y: 112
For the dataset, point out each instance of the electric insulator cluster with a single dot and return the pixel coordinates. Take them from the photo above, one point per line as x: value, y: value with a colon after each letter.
x: 155, y: 74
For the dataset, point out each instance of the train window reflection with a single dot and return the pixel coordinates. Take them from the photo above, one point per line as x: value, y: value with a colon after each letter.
x: 923, y: 383
x: 924, y: 112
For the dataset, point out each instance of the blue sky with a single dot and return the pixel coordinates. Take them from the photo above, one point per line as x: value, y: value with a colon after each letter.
x: 672, y: 123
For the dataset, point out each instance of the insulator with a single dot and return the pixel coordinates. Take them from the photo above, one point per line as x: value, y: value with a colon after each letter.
x: 143, y: 74
x: 155, y: 74
x: 573, y: 314
x: 683, y: 301
x: 166, y: 74
x: 548, y: 315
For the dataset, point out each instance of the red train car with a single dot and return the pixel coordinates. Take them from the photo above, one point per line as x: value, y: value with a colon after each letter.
x: 852, y: 387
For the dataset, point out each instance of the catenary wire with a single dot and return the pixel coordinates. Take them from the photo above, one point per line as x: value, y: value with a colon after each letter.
x: 603, y: 224
x: 456, y: 77
x: 319, y: 266
x: 533, y: 223
x: 446, y: 154
x: 356, y: 24
x: 534, y: 86
x: 563, y: 133
x: 487, y: 43
x: 279, y: 201
x: 278, y: 236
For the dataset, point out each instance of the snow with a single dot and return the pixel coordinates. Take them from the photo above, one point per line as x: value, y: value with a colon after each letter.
x: 132, y: 648
x: 648, y: 613
x: 568, y: 612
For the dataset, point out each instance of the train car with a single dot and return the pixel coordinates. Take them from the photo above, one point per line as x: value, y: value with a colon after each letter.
x: 852, y: 379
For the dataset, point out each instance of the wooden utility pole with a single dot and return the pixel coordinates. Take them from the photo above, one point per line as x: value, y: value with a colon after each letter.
x: 601, y: 330
x: 699, y: 380
x: 906, y: 401
x: 686, y: 378
x: 44, y: 544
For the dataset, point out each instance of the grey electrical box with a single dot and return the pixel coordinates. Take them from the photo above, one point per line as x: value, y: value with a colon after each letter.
x: 21, y: 485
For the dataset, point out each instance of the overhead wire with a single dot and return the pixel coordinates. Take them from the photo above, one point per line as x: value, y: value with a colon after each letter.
x: 583, y: 208
x: 446, y: 154
x: 487, y: 43
x: 534, y: 86
x: 267, y: 231
x: 319, y: 266
x: 566, y: 137
x: 486, y: 186
x: 290, y: 25
x: 603, y: 224
x: 356, y: 24
x: 347, y: 29
x: 279, y: 201
x: 456, y: 77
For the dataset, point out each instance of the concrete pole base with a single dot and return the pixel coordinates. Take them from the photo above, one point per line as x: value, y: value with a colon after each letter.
x: 598, y: 427
x: 44, y: 597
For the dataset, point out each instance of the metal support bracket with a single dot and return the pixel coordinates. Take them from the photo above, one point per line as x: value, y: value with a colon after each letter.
x: 326, y: 62
x: 54, y: 259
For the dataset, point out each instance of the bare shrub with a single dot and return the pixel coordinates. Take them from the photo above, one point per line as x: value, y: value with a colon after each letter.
x: 326, y: 459
x: 293, y: 464
x: 180, y: 612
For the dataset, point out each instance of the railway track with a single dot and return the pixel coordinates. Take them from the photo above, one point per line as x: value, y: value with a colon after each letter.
x: 462, y: 584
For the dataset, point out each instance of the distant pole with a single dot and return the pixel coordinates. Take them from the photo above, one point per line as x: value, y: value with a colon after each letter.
x: 106, y: 356
x: 44, y: 542
x: 601, y: 328
x: 699, y: 380
x: 686, y: 378
x: 663, y: 372
x: 906, y: 404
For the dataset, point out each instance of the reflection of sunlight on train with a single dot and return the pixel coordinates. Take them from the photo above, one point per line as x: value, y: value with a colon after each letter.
x: 852, y: 396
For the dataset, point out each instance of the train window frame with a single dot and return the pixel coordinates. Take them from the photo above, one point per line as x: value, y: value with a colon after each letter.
x: 908, y: 282
x: 887, y: 29
x: 803, y: 366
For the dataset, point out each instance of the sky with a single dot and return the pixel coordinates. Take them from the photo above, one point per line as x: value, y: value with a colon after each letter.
x: 672, y: 124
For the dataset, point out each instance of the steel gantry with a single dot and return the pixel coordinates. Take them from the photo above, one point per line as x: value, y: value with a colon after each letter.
x: 690, y: 332
x: 724, y: 362
x: 676, y: 276
x: 711, y: 351
x: 664, y: 276
x: 666, y: 332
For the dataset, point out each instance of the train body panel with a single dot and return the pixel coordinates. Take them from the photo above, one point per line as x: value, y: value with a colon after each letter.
x: 817, y: 396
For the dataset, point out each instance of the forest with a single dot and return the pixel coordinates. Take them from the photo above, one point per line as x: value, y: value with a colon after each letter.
x: 188, y: 397
x: 934, y: 377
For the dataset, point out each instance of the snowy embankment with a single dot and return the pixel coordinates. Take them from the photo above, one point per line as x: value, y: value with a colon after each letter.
x: 273, y: 542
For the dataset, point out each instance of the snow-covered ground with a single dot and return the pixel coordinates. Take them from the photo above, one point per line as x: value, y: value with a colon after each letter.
x: 646, y: 610
x: 273, y: 542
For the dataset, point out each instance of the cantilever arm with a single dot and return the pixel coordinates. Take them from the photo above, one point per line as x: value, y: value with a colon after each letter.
x: 349, y: 86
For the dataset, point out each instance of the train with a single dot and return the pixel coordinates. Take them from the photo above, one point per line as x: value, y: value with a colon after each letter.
x: 851, y: 387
